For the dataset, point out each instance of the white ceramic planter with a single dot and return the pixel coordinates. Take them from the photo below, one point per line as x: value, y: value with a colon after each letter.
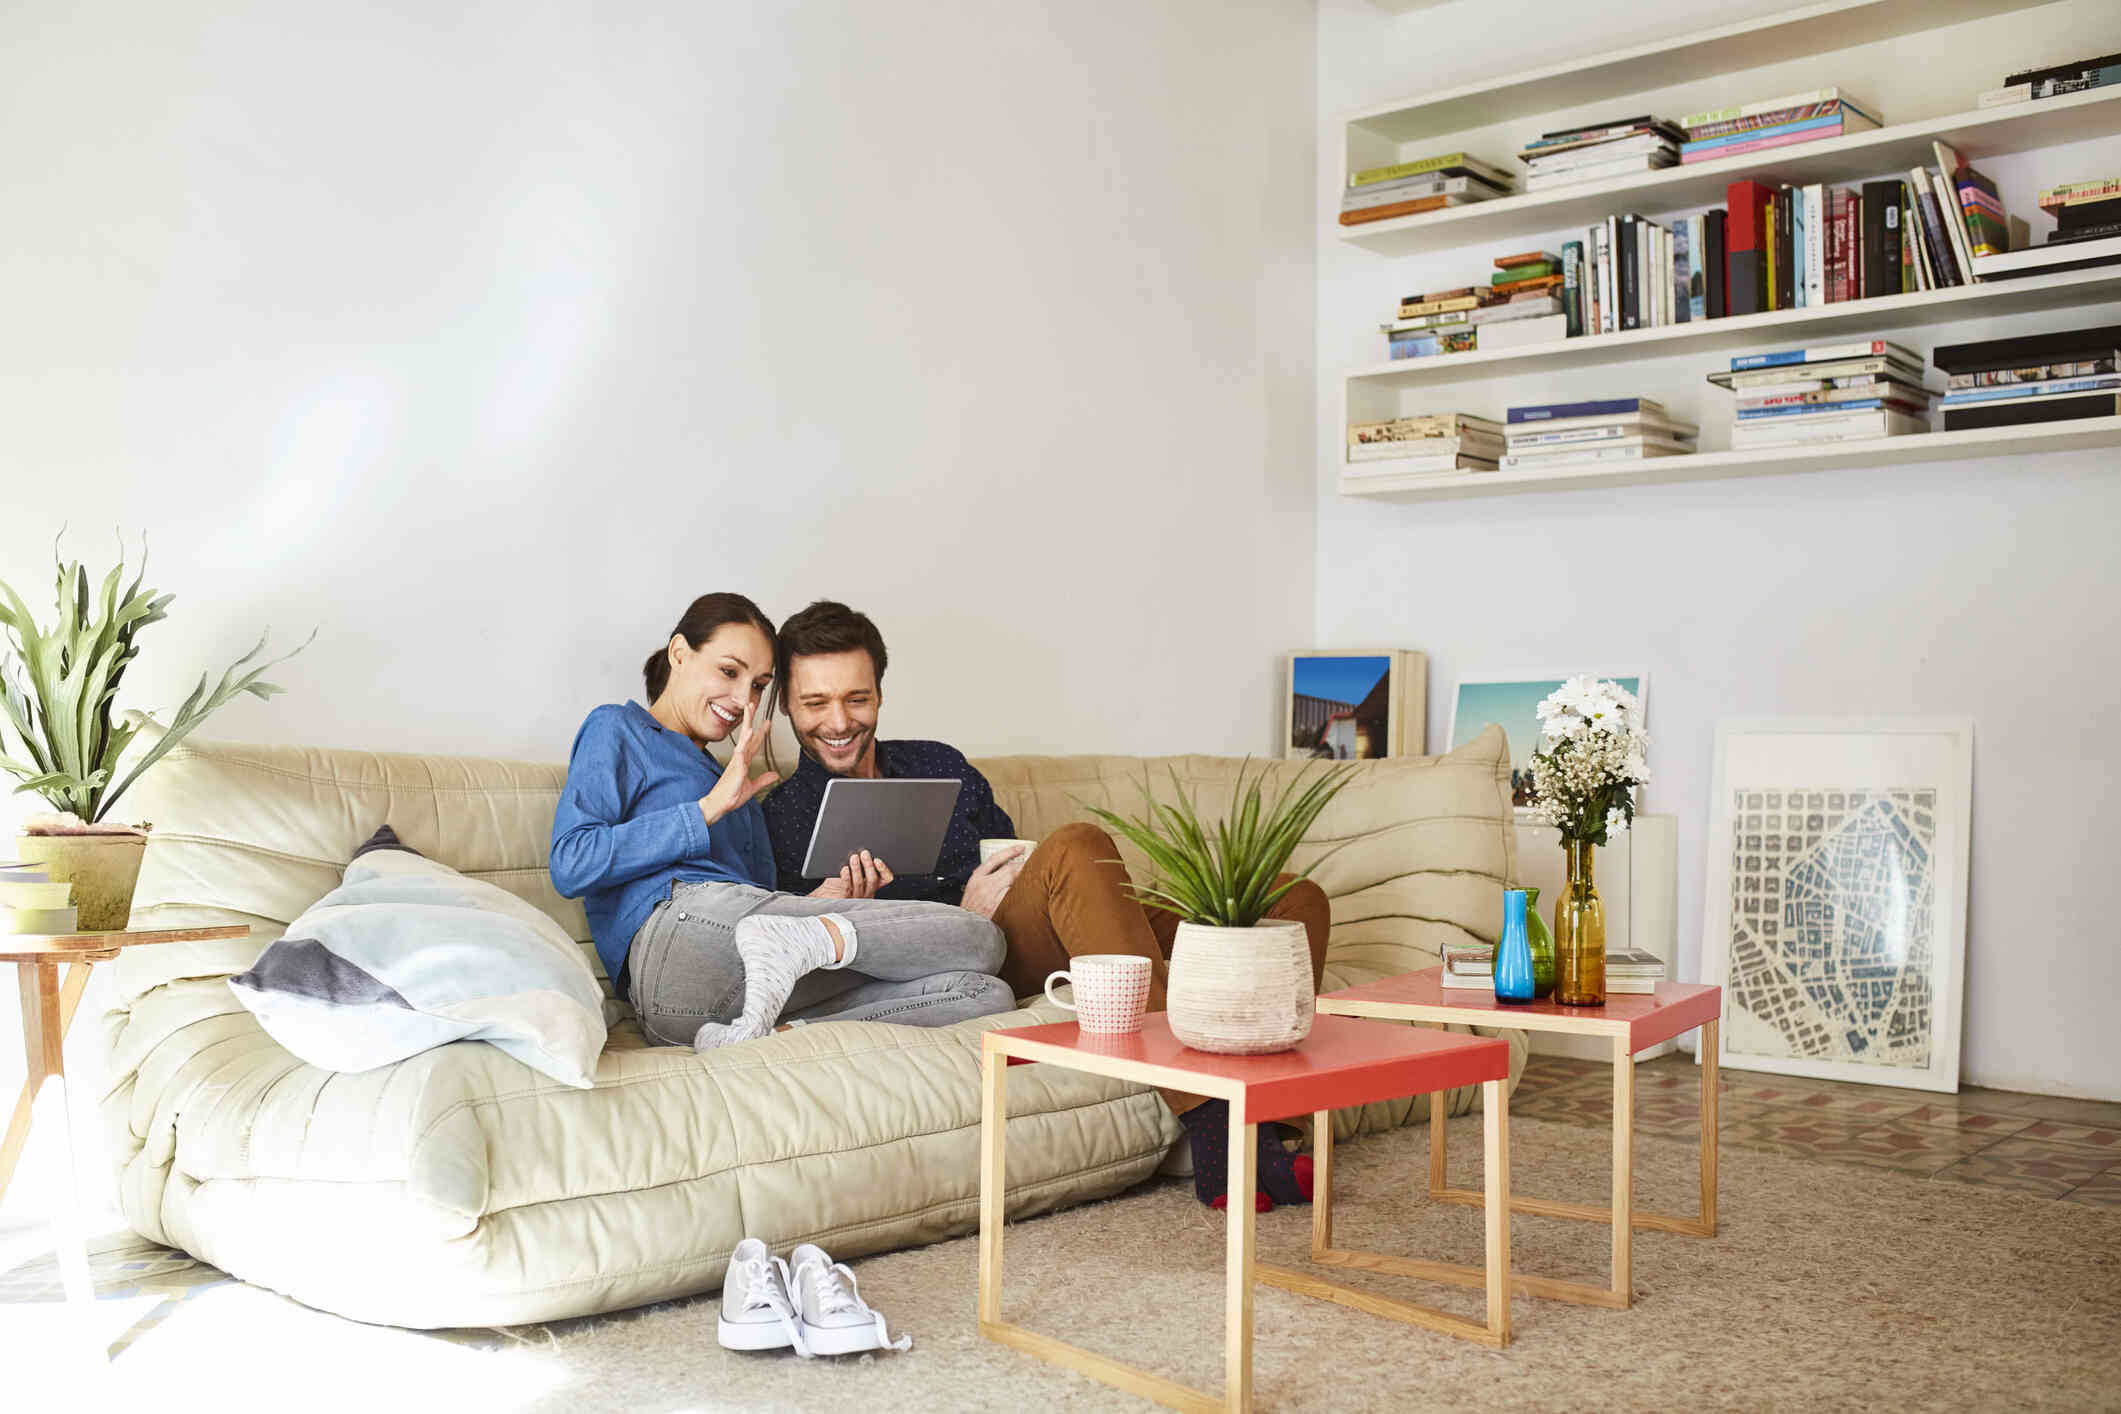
x: 1241, y: 991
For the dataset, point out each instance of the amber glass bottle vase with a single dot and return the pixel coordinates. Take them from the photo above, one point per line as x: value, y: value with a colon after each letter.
x: 1579, y: 932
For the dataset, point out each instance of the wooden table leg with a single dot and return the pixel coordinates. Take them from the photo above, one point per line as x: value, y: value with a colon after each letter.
x: 1711, y: 1038
x: 1321, y: 1181
x: 1623, y: 1221
x: 1495, y: 1109
x: 1237, y: 1274
x: 1439, y: 1142
x: 18, y: 1123
x: 42, y: 1034
x: 993, y: 1130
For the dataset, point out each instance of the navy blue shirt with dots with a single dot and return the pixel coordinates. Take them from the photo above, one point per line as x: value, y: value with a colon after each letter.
x: 792, y: 807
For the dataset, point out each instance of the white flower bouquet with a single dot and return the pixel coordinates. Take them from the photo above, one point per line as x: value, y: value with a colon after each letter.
x: 1592, y: 755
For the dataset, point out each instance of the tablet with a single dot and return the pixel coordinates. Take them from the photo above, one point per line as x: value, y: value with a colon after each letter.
x: 901, y: 822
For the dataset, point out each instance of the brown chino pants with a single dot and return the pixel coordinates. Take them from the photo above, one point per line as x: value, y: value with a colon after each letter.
x: 1072, y: 898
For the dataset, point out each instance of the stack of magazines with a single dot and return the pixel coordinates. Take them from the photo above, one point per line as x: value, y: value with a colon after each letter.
x: 1633, y: 970
x: 1469, y: 967
x: 1614, y: 147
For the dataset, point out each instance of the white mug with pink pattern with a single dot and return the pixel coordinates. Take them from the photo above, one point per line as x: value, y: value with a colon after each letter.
x: 1111, y: 991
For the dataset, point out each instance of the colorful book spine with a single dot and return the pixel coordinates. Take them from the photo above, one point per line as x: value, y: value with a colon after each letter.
x: 1603, y: 407
x: 1572, y: 286
x: 1823, y: 353
x: 1746, y: 279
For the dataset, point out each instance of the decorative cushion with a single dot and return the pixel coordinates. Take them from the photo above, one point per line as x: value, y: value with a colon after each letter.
x: 408, y: 954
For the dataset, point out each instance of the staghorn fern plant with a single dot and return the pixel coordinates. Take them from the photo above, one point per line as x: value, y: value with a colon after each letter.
x: 1225, y: 879
x: 60, y: 688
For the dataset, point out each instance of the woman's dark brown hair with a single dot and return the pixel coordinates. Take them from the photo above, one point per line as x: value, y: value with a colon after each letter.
x: 705, y: 614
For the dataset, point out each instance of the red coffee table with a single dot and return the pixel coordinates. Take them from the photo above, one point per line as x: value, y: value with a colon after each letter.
x: 1342, y: 1063
x: 1634, y: 1022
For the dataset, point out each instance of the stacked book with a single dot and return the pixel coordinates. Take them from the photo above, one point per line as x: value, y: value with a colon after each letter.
x: 1616, y: 147
x: 1431, y: 184
x: 2087, y: 233
x: 1633, y: 970
x: 31, y: 903
x: 1469, y: 967
x: 1607, y: 430
x: 1520, y: 304
x: 1451, y: 441
x: 1771, y: 122
x: 1832, y: 393
x: 2053, y: 81
x: 2037, y: 378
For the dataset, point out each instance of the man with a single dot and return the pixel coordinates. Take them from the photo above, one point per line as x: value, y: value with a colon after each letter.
x: 1071, y: 896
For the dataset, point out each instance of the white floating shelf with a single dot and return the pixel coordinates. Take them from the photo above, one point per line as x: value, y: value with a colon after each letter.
x: 1696, y: 54
x: 1981, y: 134
x: 2070, y: 289
x: 1715, y: 466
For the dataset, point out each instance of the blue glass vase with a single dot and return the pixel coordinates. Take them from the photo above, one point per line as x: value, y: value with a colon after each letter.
x: 1513, y: 955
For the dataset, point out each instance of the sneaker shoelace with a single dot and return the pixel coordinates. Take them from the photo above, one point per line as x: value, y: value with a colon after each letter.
x: 766, y: 1289
x: 838, y: 1294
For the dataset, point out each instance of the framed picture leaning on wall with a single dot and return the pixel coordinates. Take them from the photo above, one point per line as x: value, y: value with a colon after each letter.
x: 1511, y: 701
x: 1341, y: 705
x: 1835, y: 909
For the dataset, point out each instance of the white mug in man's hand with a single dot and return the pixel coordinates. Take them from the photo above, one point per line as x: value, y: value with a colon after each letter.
x: 1111, y: 992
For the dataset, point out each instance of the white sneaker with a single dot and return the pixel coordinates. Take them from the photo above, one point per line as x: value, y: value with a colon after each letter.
x: 829, y: 1307
x: 756, y: 1311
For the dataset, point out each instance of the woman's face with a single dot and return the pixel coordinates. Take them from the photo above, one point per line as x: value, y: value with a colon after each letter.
x: 711, y: 685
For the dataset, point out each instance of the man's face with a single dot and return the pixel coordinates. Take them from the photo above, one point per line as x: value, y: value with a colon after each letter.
x: 832, y: 704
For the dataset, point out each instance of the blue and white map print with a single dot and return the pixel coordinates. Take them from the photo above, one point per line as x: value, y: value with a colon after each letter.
x: 1833, y: 924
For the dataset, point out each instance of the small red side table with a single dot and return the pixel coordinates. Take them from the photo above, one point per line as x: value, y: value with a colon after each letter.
x: 1342, y: 1063
x: 1633, y: 1022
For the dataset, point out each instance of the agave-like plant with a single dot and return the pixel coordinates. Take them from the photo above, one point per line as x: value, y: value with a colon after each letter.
x: 60, y: 688
x: 1224, y: 876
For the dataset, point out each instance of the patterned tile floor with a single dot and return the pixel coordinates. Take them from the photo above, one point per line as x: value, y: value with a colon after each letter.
x: 2039, y: 1144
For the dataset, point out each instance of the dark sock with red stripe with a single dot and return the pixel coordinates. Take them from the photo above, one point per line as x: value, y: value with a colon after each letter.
x: 1283, y: 1177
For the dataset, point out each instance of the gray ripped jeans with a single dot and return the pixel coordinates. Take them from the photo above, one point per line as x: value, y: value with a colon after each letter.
x: 915, y: 964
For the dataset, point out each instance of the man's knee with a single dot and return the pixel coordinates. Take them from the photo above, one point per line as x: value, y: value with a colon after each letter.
x: 1082, y: 841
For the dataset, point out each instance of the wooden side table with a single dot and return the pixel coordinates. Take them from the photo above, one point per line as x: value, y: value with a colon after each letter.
x: 47, y: 1010
x: 1631, y: 1022
x: 1342, y: 1063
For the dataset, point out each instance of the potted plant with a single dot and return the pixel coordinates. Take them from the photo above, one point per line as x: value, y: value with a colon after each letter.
x: 1592, y: 757
x: 59, y: 689
x: 1238, y: 986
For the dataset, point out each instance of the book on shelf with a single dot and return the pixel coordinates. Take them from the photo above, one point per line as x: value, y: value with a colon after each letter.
x: 1618, y: 452
x: 1451, y: 164
x: 1408, y: 188
x: 1826, y: 353
x: 2054, y: 258
x: 1574, y: 304
x: 1748, y: 203
x: 1445, y: 448
x: 1601, y: 171
x: 1842, y: 122
x: 2027, y: 411
x: 1445, y: 341
x: 1845, y: 427
x: 1818, y: 412
x: 1592, y: 408
x: 2005, y: 96
x: 2091, y: 366
x: 2070, y: 349
x: 1837, y: 369
x: 1592, y: 431
x: 2076, y: 76
x: 1769, y: 110
x: 2054, y: 198
x: 2011, y: 392
x: 35, y: 893
x: 1413, y: 206
x: 1512, y: 334
x: 1516, y: 309
x: 1378, y: 468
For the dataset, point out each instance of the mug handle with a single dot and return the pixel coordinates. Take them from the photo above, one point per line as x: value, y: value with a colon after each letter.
x: 1059, y: 977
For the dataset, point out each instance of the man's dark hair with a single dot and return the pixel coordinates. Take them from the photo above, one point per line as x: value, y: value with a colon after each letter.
x: 828, y: 626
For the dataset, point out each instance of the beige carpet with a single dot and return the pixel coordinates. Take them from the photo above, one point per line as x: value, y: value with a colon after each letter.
x: 1831, y: 1287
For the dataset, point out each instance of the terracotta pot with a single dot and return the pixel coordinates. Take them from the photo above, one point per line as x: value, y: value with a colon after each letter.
x: 102, y: 868
x: 1241, y: 991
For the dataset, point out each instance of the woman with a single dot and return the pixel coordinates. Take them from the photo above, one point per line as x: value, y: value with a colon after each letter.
x: 670, y: 856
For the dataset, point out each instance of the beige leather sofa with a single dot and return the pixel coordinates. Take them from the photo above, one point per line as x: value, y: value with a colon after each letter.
x: 462, y: 1188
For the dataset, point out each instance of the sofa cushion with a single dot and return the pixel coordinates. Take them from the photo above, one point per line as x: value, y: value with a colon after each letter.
x: 408, y: 954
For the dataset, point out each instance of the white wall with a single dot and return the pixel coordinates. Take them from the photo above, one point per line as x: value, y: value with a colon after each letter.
x: 484, y: 344
x: 1984, y: 589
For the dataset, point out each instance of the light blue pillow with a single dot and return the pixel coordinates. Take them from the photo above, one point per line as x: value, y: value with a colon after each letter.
x: 408, y: 954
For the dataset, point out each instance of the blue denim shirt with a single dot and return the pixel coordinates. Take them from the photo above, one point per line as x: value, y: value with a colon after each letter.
x: 629, y: 826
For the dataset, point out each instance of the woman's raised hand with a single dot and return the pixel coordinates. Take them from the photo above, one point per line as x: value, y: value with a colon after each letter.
x: 737, y: 785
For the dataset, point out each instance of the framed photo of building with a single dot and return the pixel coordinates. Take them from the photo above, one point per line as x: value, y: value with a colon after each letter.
x: 1355, y: 706
x: 1836, y: 905
x: 1511, y: 701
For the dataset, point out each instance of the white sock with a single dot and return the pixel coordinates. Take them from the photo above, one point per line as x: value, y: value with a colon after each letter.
x: 778, y: 952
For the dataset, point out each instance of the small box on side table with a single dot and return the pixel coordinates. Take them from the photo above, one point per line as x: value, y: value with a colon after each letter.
x: 1631, y: 1022
x: 1342, y: 1063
